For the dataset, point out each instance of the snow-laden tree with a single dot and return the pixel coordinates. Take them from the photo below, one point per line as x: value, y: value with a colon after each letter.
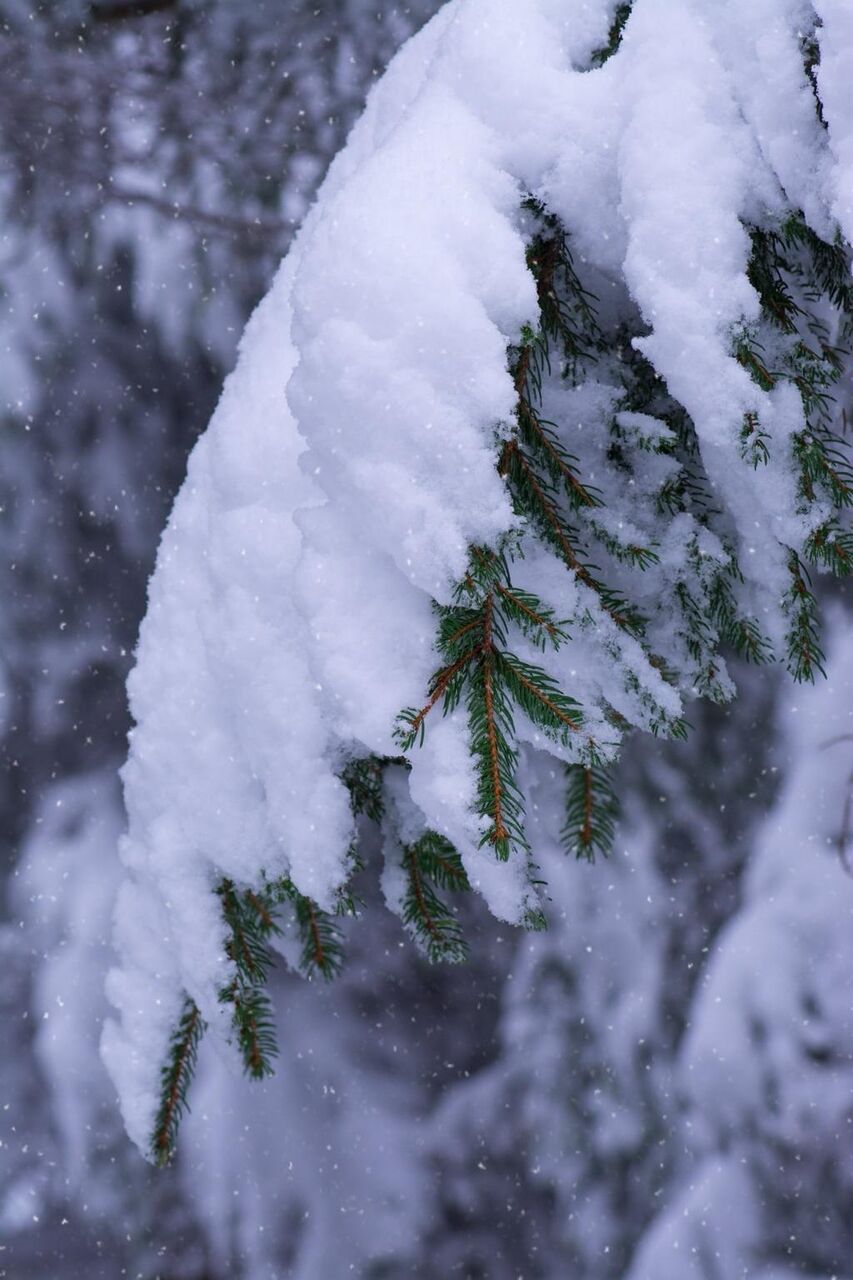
x: 540, y: 419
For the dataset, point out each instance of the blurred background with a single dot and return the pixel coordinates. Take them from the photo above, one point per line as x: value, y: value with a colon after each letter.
x: 660, y: 1087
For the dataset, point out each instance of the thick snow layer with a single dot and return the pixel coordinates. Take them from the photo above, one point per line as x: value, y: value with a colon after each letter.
x: 351, y: 461
x: 835, y: 37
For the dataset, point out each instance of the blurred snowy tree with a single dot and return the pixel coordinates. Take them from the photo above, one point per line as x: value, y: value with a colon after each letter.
x: 153, y: 170
x: 766, y: 1064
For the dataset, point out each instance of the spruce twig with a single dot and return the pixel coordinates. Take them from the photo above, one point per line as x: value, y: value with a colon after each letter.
x: 591, y: 811
x: 176, y: 1076
x: 247, y: 948
x: 432, y: 861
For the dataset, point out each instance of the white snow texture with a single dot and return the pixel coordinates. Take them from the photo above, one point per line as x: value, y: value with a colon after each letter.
x: 351, y: 461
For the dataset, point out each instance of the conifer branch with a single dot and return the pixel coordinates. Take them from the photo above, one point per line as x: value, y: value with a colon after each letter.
x: 586, y: 825
x: 538, y: 620
x: 591, y: 811
x: 522, y: 369
x: 433, y: 860
x: 318, y: 954
x: 253, y: 1022
x: 244, y: 945
x: 471, y: 624
x: 556, y: 458
x: 549, y: 512
x: 614, y: 36
x: 258, y: 905
x: 754, y: 441
x: 247, y: 948
x: 546, y: 485
x: 831, y: 547
x: 655, y: 507
x: 363, y: 779
x: 538, y: 692
x: 322, y: 944
x: 499, y: 834
x: 423, y: 910
x: 440, y: 861
x: 176, y: 1076
x: 557, y: 532
x: 322, y: 952
x: 805, y: 656
x: 414, y: 720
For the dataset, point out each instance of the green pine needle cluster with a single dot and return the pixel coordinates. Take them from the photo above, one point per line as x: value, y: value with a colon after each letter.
x: 494, y: 684
x: 322, y: 953
x: 363, y: 780
x: 488, y: 636
x: 250, y: 920
x: 480, y: 671
x: 430, y: 864
x: 250, y: 929
x: 710, y: 616
x: 614, y: 35
x: 592, y: 810
x: 175, y: 1078
x: 798, y: 277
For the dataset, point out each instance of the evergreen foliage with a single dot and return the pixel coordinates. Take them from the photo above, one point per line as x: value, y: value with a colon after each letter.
x: 322, y: 951
x: 175, y: 1078
x: 250, y: 927
x: 625, y: 520
x: 431, y: 863
x: 793, y: 271
x: 251, y: 920
x: 620, y: 17
x: 591, y: 811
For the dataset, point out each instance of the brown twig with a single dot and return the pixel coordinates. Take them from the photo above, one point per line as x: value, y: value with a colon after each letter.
x: 442, y: 681
x: 162, y: 1145
x: 417, y: 888
x: 500, y: 831
x: 545, y: 700
x: 522, y: 370
x: 509, y: 594
x: 266, y: 916
x: 553, y: 519
x: 566, y: 472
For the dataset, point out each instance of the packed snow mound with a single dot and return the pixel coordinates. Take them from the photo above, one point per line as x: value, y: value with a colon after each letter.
x: 351, y: 463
